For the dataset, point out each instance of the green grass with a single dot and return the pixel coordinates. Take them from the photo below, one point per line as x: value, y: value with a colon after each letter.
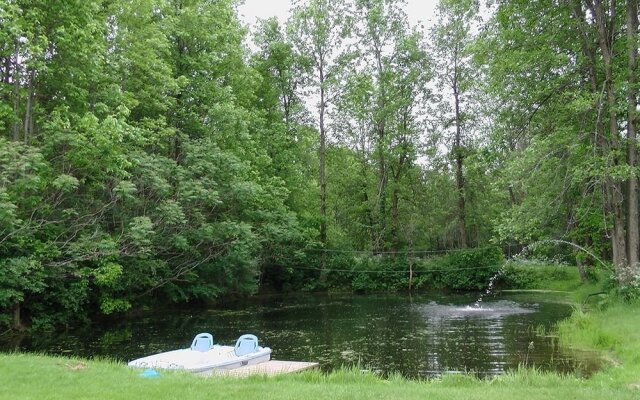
x: 614, y: 333
x: 37, y: 377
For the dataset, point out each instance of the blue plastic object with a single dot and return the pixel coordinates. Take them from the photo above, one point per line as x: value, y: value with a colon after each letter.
x: 202, y: 342
x: 246, y: 344
x: 150, y: 373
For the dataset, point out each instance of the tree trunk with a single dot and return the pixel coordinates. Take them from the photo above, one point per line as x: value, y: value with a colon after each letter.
x: 398, y: 173
x: 618, y: 239
x: 410, y: 273
x: 175, y: 143
x: 28, y: 115
x: 457, y: 149
x: 381, y: 148
x: 323, y: 178
x: 368, y: 215
x: 15, y: 129
x: 6, y: 74
x: 613, y: 201
x: 395, y: 217
x: 17, y: 317
x: 286, y: 99
x: 633, y: 235
x: 462, y: 232
x: 512, y: 196
x: 586, y: 45
x: 582, y: 269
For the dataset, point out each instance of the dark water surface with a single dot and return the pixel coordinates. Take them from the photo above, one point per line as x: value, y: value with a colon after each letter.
x: 417, y: 336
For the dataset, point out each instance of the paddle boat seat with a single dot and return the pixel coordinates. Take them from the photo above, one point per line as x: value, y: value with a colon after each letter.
x: 202, y: 342
x: 246, y: 344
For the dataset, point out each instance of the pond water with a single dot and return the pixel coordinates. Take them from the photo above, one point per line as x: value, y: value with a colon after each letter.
x: 417, y: 336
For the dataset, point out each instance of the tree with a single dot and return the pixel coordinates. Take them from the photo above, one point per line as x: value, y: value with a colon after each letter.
x: 381, y: 112
x: 288, y: 135
x: 452, y: 39
x: 144, y: 175
x: 382, y: 23
x: 586, y: 162
x: 316, y: 29
x: 633, y: 223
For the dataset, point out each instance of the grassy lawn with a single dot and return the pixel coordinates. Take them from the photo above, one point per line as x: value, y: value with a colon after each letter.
x: 36, y: 377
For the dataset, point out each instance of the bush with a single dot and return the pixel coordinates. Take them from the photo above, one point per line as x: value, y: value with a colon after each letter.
x: 630, y: 292
x: 470, y: 269
x: 391, y: 274
x: 461, y: 270
x: 550, y: 252
x: 340, y: 272
x: 537, y: 276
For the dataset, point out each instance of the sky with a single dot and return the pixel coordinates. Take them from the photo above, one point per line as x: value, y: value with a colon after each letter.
x: 419, y: 11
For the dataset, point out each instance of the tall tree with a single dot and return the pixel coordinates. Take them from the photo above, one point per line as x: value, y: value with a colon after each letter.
x: 605, y: 22
x: 288, y: 136
x: 317, y: 29
x: 605, y: 18
x: 590, y: 162
x: 539, y: 130
x: 283, y: 70
x: 452, y: 38
x: 354, y: 126
x: 633, y: 227
x: 380, y: 25
x: 410, y: 72
x: 380, y: 111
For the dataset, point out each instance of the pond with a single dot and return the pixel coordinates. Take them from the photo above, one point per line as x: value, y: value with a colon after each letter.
x: 416, y: 336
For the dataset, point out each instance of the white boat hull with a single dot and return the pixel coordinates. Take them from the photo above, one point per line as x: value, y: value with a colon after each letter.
x: 218, y: 357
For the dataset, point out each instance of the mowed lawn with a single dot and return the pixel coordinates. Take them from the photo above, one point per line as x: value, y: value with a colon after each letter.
x: 36, y: 377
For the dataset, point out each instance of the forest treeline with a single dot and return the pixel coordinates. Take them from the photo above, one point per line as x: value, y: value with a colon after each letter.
x: 159, y: 151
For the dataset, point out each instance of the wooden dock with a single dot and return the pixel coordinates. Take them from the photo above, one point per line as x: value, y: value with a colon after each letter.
x: 269, y: 368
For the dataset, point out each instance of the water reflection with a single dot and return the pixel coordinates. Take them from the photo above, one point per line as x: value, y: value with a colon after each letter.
x: 471, y: 337
x: 416, y: 336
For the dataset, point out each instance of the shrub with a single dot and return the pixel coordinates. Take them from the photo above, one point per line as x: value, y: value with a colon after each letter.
x: 630, y: 292
x: 461, y: 270
x: 380, y: 273
x: 536, y: 276
x: 472, y: 269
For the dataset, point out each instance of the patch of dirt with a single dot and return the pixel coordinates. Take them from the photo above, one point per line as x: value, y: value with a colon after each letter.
x: 76, y: 366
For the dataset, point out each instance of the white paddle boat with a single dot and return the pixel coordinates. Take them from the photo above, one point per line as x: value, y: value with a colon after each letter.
x: 205, y: 355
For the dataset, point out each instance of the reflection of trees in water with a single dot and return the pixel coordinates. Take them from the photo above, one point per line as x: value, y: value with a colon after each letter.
x: 383, y: 333
x: 12, y: 341
x: 465, y: 345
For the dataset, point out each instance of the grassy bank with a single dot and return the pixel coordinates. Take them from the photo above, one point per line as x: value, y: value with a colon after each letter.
x: 36, y: 377
x: 614, y: 333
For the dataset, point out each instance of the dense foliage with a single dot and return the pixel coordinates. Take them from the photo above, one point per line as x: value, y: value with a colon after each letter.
x: 148, y: 155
